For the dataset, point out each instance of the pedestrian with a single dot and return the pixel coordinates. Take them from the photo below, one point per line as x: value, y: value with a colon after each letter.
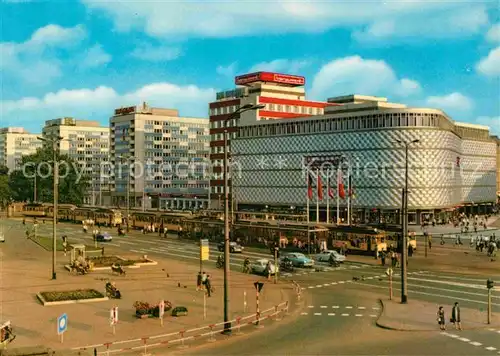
x: 65, y: 244
x: 208, y: 285
x: 199, y: 281
x: 429, y: 240
x: 410, y: 250
x: 455, y: 316
x: 203, y: 278
x: 268, y: 270
x: 382, y: 257
x: 440, y: 318
x: 393, y: 259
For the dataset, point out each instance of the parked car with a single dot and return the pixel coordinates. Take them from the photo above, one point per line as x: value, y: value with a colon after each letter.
x: 234, y: 247
x: 259, y: 267
x: 299, y: 260
x: 104, y: 237
x: 325, y: 256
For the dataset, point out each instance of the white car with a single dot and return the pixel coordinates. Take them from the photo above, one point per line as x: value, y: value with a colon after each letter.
x: 259, y: 266
x: 325, y: 256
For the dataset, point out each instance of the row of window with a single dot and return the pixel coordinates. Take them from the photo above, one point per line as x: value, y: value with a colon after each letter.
x: 151, y: 123
x: 296, y: 109
x: 220, y: 136
x: 343, y: 124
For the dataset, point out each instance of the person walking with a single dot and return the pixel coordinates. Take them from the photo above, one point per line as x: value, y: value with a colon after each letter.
x: 199, y: 281
x: 429, y: 240
x: 440, y: 318
x: 382, y: 257
x: 455, y: 316
x: 208, y: 285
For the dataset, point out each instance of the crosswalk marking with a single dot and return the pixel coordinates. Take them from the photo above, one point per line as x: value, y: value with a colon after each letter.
x: 348, y: 307
x: 323, y: 306
x: 361, y: 308
x: 475, y: 343
x: 345, y: 314
x: 359, y: 314
x: 464, y: 339
x: 317, y: 314
x: 303, y: 313
x: 491, y: 348
x: 331, y: 314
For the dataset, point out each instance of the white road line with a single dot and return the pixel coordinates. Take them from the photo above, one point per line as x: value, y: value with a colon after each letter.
x: 475, y: 343
x: 136, y: 251
x: 369, y: 278
x: 359, y: 314
x: 361, y: 308
x: 303, y: 313
x: 491, y: 348
x: 319, y: 286
x: 453, y: 336
x: 464, y: 339
x: 341, y: 282
x: 432, y: 294
x: 334, y: 283
x: 331, y: 314
x: 335, y: 307
x: 375, y: 308
x: 310, y: 287
x: 311, y: 306
x: 317, y: 314
x: 373, y: 316
x: 323, y: 306
x: 348, y: 307
x: 127, y: 243
x: 324, y: 285
x: 345, y: 314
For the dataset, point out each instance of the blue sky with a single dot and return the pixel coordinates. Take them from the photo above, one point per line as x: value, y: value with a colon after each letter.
x: 85, y: 58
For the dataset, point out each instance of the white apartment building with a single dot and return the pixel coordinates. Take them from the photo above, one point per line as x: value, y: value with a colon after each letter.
x: 16, y: 142
x: 87, y: 143
x: 168, y: 156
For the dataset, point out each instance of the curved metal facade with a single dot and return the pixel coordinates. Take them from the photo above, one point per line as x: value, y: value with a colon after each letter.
x: 444, y: 170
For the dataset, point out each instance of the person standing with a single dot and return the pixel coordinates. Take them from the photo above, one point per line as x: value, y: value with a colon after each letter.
x: 455, y: 316
x: 208, y: 285
x: 440, y: 318
x: 199, y: 281
x: 382, y: 257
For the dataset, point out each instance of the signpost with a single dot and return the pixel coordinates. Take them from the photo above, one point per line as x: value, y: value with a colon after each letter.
x: 258, y: 288
x: 161, y: 305
x: 204, y: 252
x: 113, y: 318
x: 489, y: 285
x: 62, y: 325
x: 389, y: 272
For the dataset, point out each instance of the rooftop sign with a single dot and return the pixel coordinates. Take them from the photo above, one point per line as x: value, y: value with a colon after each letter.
x: 284, y: 79
x: 125, y: 111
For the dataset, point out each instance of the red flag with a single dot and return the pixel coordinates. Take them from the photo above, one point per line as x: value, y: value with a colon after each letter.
x: 341, y: 186
x: 320, y: 188
x: 330, y: 191
x: 309, y: 187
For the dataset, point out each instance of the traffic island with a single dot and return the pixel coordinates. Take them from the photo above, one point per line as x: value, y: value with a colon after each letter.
x: 102, y: 263
x: 47, y: 244
x: 421, y: 316
x: 70, y: 297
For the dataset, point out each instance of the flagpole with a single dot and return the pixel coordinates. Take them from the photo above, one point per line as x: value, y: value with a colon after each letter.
x: 317, y: 196
x: 338, y: 195
x: 327, y: 196
x: 348, y: 196
x: 307, y: 209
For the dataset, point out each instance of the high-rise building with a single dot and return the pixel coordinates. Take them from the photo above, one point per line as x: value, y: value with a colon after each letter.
x: 284, y: 97
x: 16, y: 142
x: 169, y: 155
x: 87, y: 143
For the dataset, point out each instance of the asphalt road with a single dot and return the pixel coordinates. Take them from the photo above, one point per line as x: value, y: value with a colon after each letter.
x: 338, y: 302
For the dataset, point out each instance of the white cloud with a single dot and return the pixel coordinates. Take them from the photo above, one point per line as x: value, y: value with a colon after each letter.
x: 451, y: 103
x: 490, y: 65
x: 492, y: 122
x: 455, y: 22
x: 355, y: 75
x: 224, y: 19
x: 156, y: 54
x: 493, y: 34
x: 287, y: 66
x: 95, y: 57
x: 227, y: 71
x: 34, y: 61
x: 98, y: 103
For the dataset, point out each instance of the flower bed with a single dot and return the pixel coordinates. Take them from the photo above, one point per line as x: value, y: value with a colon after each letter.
x: 108, y: 261
x: 47, y: 244
x: 73, y: 296
x: 144, y: 309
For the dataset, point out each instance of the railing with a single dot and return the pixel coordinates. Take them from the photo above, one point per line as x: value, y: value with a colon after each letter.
x: 183, y: 337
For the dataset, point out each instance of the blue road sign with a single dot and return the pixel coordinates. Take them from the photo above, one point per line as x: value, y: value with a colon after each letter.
x: 62, y: 324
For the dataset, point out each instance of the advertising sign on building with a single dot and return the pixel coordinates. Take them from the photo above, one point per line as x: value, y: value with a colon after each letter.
x: 291, y: 80
x: 125, y: 111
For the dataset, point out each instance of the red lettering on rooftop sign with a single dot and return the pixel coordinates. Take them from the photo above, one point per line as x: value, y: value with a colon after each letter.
x: 125, y: 111
x: 287, y: 79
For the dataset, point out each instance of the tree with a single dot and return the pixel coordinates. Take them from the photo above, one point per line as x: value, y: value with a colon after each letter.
x: 4, y: 170
x: 5, y: 194
x: 73, y: 184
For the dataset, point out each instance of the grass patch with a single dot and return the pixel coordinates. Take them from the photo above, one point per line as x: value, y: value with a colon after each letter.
x: 78, y: 294
x: 107, y: 261
x: 46, y: 243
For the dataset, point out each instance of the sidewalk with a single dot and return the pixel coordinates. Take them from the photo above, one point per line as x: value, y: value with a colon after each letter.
x: 422, y: 316
x: 26, y: 271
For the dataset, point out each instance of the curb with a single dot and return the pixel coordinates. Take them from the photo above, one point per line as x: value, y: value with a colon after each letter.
x: 387, y: 327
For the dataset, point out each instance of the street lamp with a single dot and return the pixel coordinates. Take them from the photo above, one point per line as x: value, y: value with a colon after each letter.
x: 123, y: 158
x: 242, y: 109
x: 54, y: 143
x: 404, y: 227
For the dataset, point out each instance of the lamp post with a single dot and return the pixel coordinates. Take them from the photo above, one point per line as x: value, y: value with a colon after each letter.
x: 242, y: 109
x: 54, y: 143
x: 128, y: 186
x: 404, y: 227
